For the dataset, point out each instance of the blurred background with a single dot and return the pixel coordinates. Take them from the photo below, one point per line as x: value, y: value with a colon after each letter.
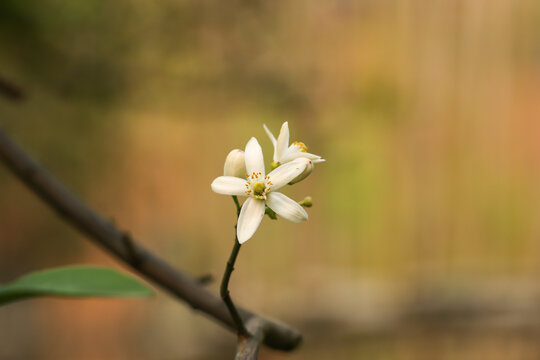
x: 424, y: 238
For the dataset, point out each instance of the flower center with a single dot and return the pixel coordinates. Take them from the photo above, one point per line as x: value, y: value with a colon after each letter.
x: 300, y: 146
x: 258, y: 188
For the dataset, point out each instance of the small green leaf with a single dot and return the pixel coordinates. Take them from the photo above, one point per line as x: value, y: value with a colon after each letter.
x: 73, y: 281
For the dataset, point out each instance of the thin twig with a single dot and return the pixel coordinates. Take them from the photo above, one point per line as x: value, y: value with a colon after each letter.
x: 205, y: 279
x: 248, y: 347
x: 224, y: 288
x: 134, y: 257
x: 107, y: 235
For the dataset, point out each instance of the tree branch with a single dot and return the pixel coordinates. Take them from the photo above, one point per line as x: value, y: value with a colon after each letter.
x: 248, y: 347
x: 125, y: 248
x: 10, y: 90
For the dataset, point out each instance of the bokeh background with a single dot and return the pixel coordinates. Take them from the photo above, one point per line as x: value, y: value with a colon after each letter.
x: 424, y: 238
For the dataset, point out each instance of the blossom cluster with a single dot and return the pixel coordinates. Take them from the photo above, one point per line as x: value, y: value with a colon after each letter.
x: 244, y: 175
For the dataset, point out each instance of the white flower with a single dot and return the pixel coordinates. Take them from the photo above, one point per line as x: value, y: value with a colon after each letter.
x: 283, y: 153
x: 261, y: 190
x: 235, y: 164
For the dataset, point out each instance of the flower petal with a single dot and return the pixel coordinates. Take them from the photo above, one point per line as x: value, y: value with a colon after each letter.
x: 250, y: 218
x: 286, y: 207
x: 282, y: 142
x: 254, y: 157
x: 291, y: 154
x: 283, y: 174
x: 229, y: 185
x: 270, y: 135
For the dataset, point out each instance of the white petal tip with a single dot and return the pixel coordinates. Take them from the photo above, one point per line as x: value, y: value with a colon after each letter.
x: 300, y: 217
x: 228, y: 185
x: 270, y: 135
x: 241, y: 241
x: 243, y: 237
x: 251, y: 144
x: 214, y: 186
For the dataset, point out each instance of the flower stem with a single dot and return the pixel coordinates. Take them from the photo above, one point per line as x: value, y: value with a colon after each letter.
x: 224, y: 289
x: 238, y: 207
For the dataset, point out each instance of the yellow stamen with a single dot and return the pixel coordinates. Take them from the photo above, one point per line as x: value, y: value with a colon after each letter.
x: 301, y: 145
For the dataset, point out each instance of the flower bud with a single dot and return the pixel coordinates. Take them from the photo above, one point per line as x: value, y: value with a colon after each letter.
x: 307, y: 202
x: 235, y: 164
x: 305, y: 173
x: 274, y: 165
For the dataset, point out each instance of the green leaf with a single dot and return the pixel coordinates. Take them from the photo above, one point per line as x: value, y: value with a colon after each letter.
x: 73, y: 281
